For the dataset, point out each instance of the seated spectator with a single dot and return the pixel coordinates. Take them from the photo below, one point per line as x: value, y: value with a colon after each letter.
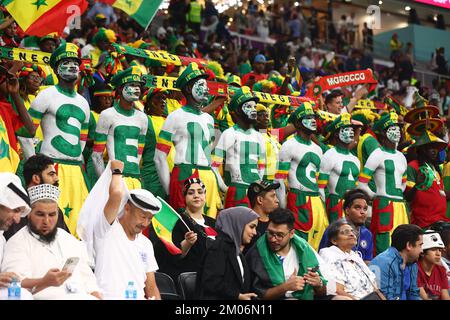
x: 122, y: 252
x: 38, y: 169
x: 353, y: 278
x: 192, y: 243
x: 432, y: 277
x: 281, y: 263
x: 355, y: 208
x: 396, y: 268
x: 14, y: 203
x: 225, y: 273
x: 445, y: 235
x: 38, y: 251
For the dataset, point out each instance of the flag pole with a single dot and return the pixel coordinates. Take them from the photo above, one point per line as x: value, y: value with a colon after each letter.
x: 150, y: 21
x: 162, y: 200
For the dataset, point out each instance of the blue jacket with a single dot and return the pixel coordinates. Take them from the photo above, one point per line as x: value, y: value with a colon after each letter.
x: 387, y: 268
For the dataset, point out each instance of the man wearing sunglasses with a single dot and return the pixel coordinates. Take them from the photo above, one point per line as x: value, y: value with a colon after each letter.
x: 283, y: 265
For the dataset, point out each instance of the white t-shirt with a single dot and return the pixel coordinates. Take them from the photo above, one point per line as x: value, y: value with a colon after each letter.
x: 120, y: 260
x: 290, y: 263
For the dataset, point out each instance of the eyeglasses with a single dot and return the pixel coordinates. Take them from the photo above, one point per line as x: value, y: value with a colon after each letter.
x: 277, y: 235
x: 347, y: 232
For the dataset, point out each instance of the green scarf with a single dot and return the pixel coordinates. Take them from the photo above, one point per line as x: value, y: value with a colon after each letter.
x: 274, y: 267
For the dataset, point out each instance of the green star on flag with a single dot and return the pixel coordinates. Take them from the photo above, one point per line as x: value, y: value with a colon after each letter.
x: 67, y: 210
x: 39, y: 3
x: 4, y: 149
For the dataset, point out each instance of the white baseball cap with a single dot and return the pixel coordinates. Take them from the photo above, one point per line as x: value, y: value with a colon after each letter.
x: 432, y: 239
x: 12, y: 194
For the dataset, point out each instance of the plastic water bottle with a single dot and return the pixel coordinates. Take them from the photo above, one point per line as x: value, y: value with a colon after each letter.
x: 14, y: 290
x: 130, y: 291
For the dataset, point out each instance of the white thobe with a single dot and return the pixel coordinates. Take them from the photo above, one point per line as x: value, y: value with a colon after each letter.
x: 31, y: 258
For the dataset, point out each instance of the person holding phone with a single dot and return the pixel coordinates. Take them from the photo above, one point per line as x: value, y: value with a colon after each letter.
x: 283, y: 265
x: 39, y: 251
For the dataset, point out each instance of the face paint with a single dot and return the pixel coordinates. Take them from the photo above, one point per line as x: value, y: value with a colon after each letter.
x: 249, y: 109
x: 69, y: 70
x: 310, y: 123
x: 131, y: 92
x: 393, y: 134
x: 346, y: 135
x: 200, y: 91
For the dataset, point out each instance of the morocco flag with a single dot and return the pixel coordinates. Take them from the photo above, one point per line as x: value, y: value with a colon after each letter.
x: 142, y: 11
x: 41, y: 17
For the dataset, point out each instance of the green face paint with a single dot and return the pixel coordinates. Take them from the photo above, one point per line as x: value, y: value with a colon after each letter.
x: 393, y: 134
x: 131, y: 92
x: 68, y: 70
x: 346, y: 135
x: 200, y: 91
x: 249, y: 109
x: 309, y: 123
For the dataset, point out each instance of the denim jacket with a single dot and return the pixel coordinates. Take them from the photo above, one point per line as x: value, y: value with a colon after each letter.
x: 387, y: 268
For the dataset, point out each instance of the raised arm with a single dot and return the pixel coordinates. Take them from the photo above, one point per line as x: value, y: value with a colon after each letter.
x: 116, y: 192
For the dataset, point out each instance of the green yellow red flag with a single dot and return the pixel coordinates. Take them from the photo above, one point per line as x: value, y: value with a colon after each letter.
x: 41, y: 17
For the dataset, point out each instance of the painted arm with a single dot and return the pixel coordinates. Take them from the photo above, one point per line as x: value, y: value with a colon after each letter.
x: 223, y: 187
x: 284, y: 165
x: 101, y: 136
x: 281, y: 193
x: 163, y: 169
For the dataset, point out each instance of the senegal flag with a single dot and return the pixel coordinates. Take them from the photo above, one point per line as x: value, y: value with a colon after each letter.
x: 142, y: 11
x: 41, y: 17
x: 163, y: 223
x: 9, y: 125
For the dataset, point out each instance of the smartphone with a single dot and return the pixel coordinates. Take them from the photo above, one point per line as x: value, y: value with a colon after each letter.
x: 315, y: 269
x: 70, y: 264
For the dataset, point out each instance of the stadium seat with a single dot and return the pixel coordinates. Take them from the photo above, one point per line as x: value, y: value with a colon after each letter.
x: 166, y: 286
x: 186, y: 285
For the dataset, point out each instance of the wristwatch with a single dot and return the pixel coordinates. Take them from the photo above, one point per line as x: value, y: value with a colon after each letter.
x: 117, y: 171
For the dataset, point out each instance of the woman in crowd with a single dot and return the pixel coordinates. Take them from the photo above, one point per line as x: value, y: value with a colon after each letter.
x: 194, y: 242
x: 224, y: 273
x: 353, y: 278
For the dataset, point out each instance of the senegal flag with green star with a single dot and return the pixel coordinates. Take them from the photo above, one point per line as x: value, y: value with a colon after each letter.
x: 163, y: 223
x: 142, y: 11
x: 41, y: 17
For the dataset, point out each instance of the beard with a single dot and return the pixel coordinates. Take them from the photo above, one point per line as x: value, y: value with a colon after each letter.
x: 47, y: 238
